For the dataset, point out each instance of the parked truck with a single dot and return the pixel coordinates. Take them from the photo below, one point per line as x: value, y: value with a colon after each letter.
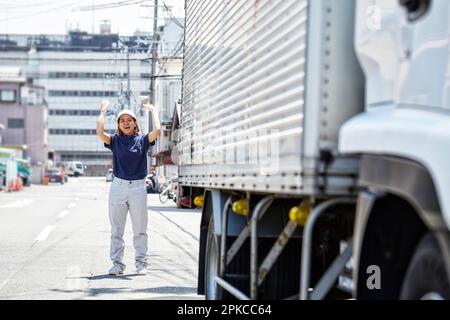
x: 75, y: 169
x: 314, y: 135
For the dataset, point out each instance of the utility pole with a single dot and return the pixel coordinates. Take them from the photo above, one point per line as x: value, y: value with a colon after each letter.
x: 128, y: 79
x: 155, y: 39
x: 93, y: 16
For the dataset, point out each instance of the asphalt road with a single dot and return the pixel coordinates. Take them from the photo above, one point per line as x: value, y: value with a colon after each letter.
x: 54, y: 244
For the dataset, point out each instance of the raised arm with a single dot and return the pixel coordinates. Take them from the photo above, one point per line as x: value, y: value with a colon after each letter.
x: 154, y: 134
x: 106, y: 138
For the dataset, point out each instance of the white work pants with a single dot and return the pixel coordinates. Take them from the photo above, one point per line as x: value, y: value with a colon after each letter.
x: 127, y: 196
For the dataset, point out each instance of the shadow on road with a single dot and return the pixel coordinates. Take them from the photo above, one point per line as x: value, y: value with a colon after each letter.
x: 92, y: 292
x: 109, y: 276
x: 172, y: 209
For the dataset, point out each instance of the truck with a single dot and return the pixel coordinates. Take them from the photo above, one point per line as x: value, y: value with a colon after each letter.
x: 314, y: 136
x: 75, y: 168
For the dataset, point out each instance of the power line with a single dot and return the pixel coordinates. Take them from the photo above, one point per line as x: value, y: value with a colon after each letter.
x: 45, y: 76
x: 74, y: 59
x: 14, y: 5
x: 178, y: 23
x: 38, y: 13
x: 109, y: 5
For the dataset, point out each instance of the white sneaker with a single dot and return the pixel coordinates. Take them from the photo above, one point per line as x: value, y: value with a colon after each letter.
x: 141, y: 267
x: 117, y: 269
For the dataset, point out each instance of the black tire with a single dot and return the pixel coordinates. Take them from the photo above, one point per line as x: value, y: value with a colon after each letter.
x: 163, y: 197
x: 77, y: 174
x: 212, y: 258
x: 239, y: 265
x: 174, y: 198
x: 162, y: 187
x: 426, y: 277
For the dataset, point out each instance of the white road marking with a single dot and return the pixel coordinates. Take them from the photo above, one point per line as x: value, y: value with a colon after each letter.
x: 44, y: 234
x: 18, y: 204
x: 63, y: 214
x: 7, y: 280
x: 72, y: 205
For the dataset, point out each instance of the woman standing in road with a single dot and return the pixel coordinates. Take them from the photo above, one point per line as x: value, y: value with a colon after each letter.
x: 128, y: 191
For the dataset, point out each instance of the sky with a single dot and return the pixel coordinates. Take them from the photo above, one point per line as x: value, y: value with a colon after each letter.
x: 58, y: 16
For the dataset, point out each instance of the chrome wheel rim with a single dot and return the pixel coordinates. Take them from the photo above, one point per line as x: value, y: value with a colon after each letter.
x: 432, y: 296
x: 212, y: 271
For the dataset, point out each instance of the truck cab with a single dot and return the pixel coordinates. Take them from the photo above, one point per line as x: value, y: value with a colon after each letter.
x: 403, y: 213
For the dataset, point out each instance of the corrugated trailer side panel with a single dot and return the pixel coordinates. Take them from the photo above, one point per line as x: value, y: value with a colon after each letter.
x: 243, y: 95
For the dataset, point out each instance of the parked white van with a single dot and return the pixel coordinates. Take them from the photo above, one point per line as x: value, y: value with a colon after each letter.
x: 75, y: 168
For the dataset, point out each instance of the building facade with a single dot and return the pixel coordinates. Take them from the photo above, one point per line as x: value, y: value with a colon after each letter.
x: 23, y: 116
x: 78, y: 70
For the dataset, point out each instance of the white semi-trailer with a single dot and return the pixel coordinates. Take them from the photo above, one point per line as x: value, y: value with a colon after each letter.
x: 314, y: 134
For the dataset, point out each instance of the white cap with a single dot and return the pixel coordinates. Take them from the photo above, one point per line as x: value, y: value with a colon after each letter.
x: 128, y: 112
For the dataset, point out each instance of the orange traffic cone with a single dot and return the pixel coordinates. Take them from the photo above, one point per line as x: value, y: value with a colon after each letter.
x: 19, y: 184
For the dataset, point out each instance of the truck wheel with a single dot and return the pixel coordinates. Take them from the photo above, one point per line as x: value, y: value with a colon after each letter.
x: 212, y: 290
x: 238, y: 266
x: 77, y: 174
x: 426, y: 278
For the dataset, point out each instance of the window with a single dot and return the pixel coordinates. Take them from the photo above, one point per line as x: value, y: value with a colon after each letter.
x: 8, y: 95
x: 14, y: 123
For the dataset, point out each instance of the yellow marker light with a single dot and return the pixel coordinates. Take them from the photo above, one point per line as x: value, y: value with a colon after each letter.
x: 198, y: 201
x: 300, y: 214
x: 240, y: 207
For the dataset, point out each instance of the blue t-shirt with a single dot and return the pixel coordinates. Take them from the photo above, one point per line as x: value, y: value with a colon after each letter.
x: 129, y: 156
